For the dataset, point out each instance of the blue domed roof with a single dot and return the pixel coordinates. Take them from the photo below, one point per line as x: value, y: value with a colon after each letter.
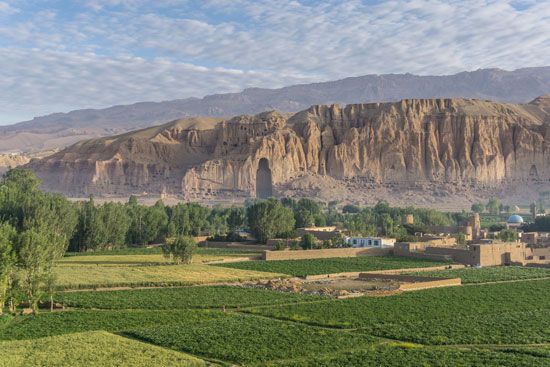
x: 516, y: 219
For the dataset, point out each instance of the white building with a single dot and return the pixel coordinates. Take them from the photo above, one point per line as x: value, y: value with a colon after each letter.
x: 370, y: 242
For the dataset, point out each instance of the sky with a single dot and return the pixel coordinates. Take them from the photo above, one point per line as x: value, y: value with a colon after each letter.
x: 57, y: 56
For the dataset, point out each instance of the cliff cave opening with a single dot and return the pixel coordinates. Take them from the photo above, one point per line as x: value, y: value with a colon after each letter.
x: 264, y: 185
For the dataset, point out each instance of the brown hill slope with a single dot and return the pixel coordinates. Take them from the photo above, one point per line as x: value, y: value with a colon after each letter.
x: 425, y: 148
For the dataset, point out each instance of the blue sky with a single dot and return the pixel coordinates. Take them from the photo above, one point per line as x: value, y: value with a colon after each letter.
x: 65, y: 55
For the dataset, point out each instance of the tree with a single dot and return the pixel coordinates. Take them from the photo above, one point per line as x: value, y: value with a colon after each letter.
x: 190, y: 219
x: 387, y: 224
x: 351, y: 209
x: 44, y: 224
x: 461, y: 238
x: 115, y: 221
x: 90, y: 232
x: 147, y: 224
x: 508, y: 235
x: 181, y: 250
x: 236, y: 218
x: 493, y: 206
x: 269, y: 218
x: 478, y: 208
x: 7, y: 260
x: 36, y: 252
x: 308, y: 241
x: 305, y: 212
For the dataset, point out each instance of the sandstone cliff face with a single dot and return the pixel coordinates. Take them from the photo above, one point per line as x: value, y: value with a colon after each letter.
x: 469, y: 143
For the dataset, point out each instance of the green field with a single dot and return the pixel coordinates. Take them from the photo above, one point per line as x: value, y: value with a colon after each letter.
x: 58, y: 323
x: 501, y: 324
x: 96, y: 349
x: 489, y: 274
x: 333, y: 265
x: 245, y: 338
x: 404, y: 355
x: 348, y: 333
x: 515, y: 313
x: 180, y: 298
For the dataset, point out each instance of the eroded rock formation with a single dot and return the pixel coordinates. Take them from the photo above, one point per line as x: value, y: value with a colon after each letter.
x: 447, y: 142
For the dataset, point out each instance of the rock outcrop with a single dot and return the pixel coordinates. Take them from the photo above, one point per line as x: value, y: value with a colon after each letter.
x: 460, y: 144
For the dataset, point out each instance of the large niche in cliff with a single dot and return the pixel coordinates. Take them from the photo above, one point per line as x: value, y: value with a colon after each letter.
x: 264, y: 184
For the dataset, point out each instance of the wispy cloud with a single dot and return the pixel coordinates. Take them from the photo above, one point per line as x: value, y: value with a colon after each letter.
x: 104, y: 52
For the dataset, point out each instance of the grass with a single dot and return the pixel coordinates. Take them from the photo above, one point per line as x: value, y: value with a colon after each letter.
x: 95, y: 276
x: 90, y: 349
x: 404, y: 355
x: 245, y: 338
x: 489, y: 274
x: 180, y: 298
x: 333, y: 265
x: 515, y: 313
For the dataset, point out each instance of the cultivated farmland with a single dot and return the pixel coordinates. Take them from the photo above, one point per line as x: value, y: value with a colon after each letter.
x: 513, y: 313
x: 246, y: 338
x: 94, y: 276
x: 503, y: 324
x: 97, y: 348
x: 181, y: 298
x: 334, y: 265
x: 489, y: 274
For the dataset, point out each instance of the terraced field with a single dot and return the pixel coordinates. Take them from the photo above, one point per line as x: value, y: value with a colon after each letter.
x: 93, y: 276
x: 97, y: 348
x: 495, y: 324
x: 181, y: 298
x: 147, y: 267
x: 504, y: 313
x: 489, y: 274
x: 334, y: 265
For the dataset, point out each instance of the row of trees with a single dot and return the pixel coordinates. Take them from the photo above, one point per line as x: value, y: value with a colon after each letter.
x: 493, y: 206
x: 116, y: 225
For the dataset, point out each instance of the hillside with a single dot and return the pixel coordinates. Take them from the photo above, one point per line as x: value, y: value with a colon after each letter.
x: 412, y: 151
x: 62, y: 129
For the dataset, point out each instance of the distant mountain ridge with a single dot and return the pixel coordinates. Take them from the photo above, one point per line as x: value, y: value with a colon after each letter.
x: 62, y: 129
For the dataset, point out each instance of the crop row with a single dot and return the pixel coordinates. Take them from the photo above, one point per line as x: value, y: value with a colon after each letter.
x: 497, y: 313
x: 58, y: 323
x: 96, y: 348
x: 334, y: 265
x: 245, y: 338
x: 489, y: 274
x: 180, y: 298
x: 412, y: 356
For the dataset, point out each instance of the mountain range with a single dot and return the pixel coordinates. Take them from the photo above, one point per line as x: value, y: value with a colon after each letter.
x: 62, y: 129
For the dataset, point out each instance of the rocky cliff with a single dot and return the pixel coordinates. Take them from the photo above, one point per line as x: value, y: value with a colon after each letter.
x: 454, y: 145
